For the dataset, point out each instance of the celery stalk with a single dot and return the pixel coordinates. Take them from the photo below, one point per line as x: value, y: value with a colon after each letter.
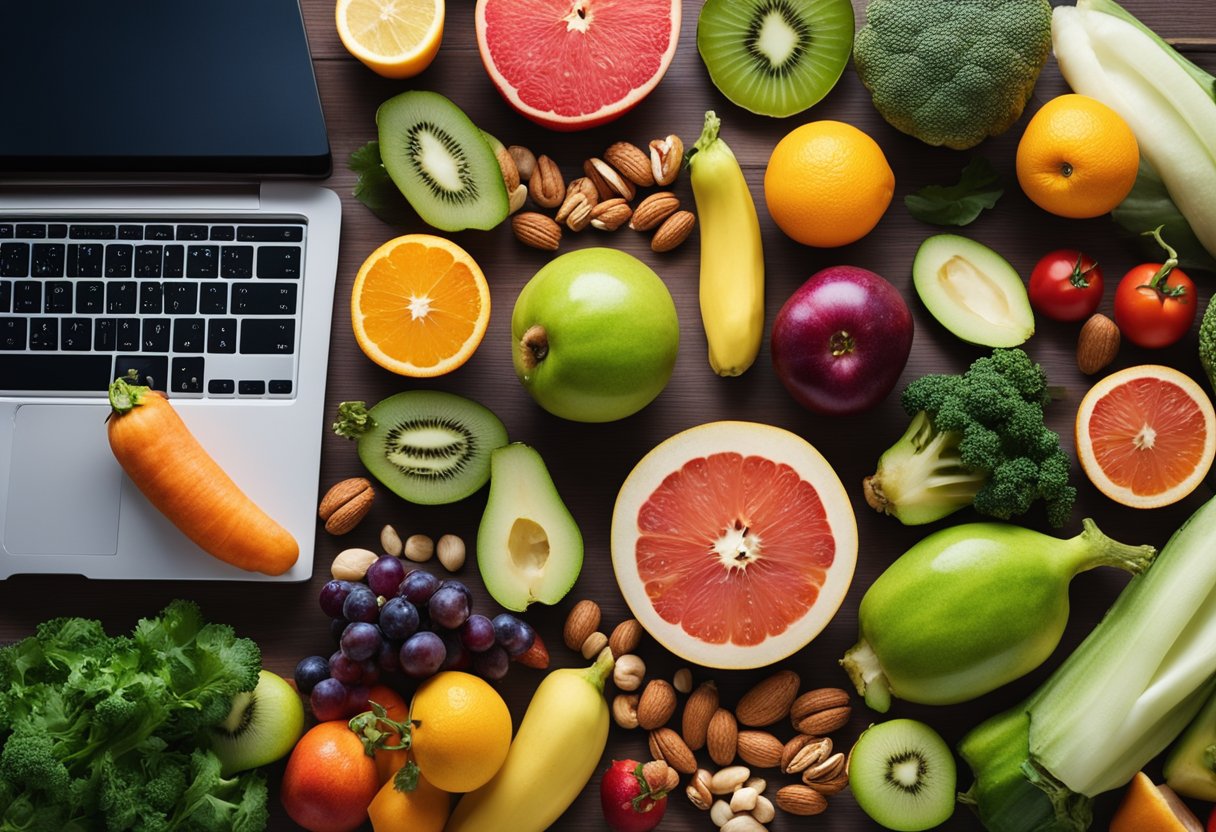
x: 1169, y: 103
x: 1114, y: 704
x: 1190, y: 768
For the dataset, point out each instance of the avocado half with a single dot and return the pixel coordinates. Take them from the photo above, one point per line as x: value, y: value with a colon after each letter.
x: 972, y: 291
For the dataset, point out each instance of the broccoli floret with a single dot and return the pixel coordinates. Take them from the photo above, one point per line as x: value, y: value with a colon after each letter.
x: 28, y: 761
x: 975, y: 439
x: 952, y: 73
x: 1207, y: 343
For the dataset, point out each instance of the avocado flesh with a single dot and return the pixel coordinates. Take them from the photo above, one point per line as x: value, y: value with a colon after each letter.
x: 972, y: 291
x: 529, y: 549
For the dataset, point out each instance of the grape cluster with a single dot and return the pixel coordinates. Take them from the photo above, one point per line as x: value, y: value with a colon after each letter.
x: 412, y: 623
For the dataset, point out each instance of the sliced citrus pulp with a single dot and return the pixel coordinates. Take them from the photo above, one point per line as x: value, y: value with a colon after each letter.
x: 1146, y: 436
x: 420, y: 305
x: 394, y: 38
x: 1150, y: 808
x: 734, y: 544
x: 573, y: 64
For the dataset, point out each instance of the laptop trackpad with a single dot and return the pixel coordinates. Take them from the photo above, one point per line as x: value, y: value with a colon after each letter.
x: 64, y: 484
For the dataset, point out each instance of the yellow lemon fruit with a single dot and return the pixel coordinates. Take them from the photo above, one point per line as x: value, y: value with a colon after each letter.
x: 462, y: 731
x: 394, y: 38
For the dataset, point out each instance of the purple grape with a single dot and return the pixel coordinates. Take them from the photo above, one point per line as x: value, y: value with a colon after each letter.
x: 388, y: 658
x: 491, y: 664
x: 345, y: 669
x: 361, y: 640
x: 356, y: 699
x: 309, y: 671
x: 336, y: 627
x: 458, y: 585
x: 361, y: 605
x: 458, y: 658
x: 399, y: 618
x: 328, y: 700
x: 449, y: 606
x: 422, y: 654
x: 477, y: 633
x: 333, y: 595
x: 371, y: 672
x: 385, y: 575
x: 514, y: 635
x: 417, y: 587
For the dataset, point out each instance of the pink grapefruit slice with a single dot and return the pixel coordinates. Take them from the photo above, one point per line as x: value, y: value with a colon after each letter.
x: 734, y: 544
x: 573, y: 64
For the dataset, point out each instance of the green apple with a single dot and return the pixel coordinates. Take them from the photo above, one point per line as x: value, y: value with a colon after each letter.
x: 595, y: 334
x: 263, y: 725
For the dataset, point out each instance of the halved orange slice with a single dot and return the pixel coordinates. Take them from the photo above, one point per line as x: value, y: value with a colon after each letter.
x: 1146, y: 435
x: 420, y: 306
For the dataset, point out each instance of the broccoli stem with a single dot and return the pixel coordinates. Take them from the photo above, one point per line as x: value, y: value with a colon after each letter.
x: 921, y: 477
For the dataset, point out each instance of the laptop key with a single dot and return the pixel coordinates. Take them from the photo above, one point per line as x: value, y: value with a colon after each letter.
x: 105, y: 335
x: 75, y: 373
x: 85, y: 259
x: 188, y: 334
x: 47, y: 260
x: 57, y: 231
x: 158, y: 232
x: 202, y: 261
x: 27, y: 296
x: 118, y: 259
x: 130, y: 232
x: 150, y: 296
x: 6, y: 295
x: 236, y: 262
x: 187, y: 375
x: 14, y: 259
x: 76, y: 334
x: 279, y: 262
x: 251, y: 388
x: 270, y: 234
x: 181, y: 298
x: 220, y: 386
x: 280, y: 386
x: 147, y: 261
x: 268, y: 336
x: 192, y: 232
x: 175, y: 259
x: 44, y: 334
x: 90, y: 296
x: 151, y: 370
x: 120, y: 297
x: 93, y: 232
x: 221, y: 335
x: 127, y: 334
x: 6, y: 230
x: 156, y: 335
x: 223, y: 232
x: 58, y: 296
x: 213, y: 298
x: 12, y: 333
x: 264, y: 299
x: 28, y: 231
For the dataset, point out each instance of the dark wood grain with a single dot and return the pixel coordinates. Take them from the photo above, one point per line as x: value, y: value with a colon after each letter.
x: 589, y: 462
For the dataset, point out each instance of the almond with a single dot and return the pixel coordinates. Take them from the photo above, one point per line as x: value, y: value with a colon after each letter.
x: 510, y: 173
x: 602, y: 189
x: 346, y: 504
x: 653, y: 210
x: 536, y: 230
x: 666, y: 157
x: 824, y: 722
x: 666, y: 745
x: 536, y: 656
x: 546, y: 185
x: 583, y: 620
x: 759, y: 749
x: 828, y: 787
x: 817, y: 700
x: 698, y: 711
x: 804, y: 751
x: 633, y: 164
x: 352, y: 564
x: 1097, y: 345
x: 800, y: 800
x: 625, y: 637
x: 722, y: 737
x: 574, y: 199
x: 657, y: 705
x: 595, y: 643
x: 769, y: 701
x: 617, y: 184
x: 586, y: 187
x: 674, y: 230
x: 610, y: 214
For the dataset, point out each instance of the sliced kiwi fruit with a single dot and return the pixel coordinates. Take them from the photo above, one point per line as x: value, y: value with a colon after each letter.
x: 902, y: 774
x: 262, y: 726
x: 775, y: 57
x: 426, y: 446
x: 441, y: 162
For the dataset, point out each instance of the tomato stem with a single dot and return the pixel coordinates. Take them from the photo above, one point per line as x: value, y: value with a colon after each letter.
x: 1158, y: 282
x: 1080, y: 277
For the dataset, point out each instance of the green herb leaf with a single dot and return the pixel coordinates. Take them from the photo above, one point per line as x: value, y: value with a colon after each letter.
x: 406, y: 779
x: 374, y: 188
x: 978, y: 188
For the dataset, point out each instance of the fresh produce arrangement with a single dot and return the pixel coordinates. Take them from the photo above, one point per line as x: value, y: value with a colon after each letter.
x: 686, y: 699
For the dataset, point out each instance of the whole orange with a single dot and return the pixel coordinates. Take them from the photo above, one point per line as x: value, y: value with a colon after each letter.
x: 329, y: 781
x: 827, y: 184
x: 1077, y: 158
x: 462, y: 731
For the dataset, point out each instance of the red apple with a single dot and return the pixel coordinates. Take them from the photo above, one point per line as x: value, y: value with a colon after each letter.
x: 841, y: 340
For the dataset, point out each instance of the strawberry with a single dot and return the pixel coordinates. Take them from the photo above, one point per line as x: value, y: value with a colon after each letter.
x: 633, y: 795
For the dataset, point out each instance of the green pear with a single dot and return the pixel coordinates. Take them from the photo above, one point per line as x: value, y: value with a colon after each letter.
x: 263, y: 725
x: 595, y: 334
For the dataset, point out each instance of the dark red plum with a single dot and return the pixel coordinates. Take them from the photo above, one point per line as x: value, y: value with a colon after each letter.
x: 841, y: 341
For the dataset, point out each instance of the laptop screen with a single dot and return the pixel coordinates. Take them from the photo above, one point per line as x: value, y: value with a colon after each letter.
x: 170, y: 87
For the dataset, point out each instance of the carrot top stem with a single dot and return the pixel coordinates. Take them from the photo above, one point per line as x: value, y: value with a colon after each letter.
x: 125, y: 394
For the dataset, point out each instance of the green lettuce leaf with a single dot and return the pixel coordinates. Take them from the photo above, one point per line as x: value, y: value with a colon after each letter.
x: 978, y: 188
x: 374, y: 188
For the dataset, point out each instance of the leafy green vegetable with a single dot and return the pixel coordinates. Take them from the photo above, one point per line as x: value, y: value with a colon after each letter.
x: 374, y: 188
x: 1148, y: 206
x: 978, y: 188
x: 100, y: 732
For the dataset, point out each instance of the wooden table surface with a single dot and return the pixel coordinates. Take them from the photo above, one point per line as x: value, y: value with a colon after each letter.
x: 589, y: 462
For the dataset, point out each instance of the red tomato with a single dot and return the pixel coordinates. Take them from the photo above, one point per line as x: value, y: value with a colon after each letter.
x: 1066, y: 285
x: 1154, y: 309
x: 329, y: 780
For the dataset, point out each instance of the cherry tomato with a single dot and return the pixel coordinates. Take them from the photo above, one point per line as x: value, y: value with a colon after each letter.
x: 1212, y: 821
x: 1066, y: 285
x: 1155, y: 303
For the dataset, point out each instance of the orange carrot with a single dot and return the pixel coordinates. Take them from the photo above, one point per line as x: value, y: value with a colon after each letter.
x: 178, y: 476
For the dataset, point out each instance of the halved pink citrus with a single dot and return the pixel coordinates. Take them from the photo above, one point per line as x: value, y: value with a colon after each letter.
x: 1146, y: 436
x: 573, y: 64
x: 734, y: 544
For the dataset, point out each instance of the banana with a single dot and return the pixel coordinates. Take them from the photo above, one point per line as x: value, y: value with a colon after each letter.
x: 553, y: 756
x: 732, y: 261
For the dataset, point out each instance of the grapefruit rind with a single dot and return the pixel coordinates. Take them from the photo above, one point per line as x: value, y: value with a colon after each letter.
x: 1088, y: 458
x: 551, y: 118
x: 749, y: 439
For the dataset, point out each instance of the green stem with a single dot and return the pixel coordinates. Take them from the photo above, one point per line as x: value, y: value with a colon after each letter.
x: 597, y: 674
x: 1158, y: 283
x: 1094, y: 549
x: 125, y: 395
x: 709, y: 133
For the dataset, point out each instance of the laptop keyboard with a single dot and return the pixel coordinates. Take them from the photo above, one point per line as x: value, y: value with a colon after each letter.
x: 198, y: 308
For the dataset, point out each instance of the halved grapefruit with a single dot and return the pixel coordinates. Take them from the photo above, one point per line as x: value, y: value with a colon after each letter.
x: 734, y: 544
x: 573, y: 64
x: 1146, y: 436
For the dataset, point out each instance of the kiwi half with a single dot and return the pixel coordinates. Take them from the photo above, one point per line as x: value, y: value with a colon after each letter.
x: 902, y: 775
x: 426, y: 446
x: 441, y: 162
x: 775, y: 57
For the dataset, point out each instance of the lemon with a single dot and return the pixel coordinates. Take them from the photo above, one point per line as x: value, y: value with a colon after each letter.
x: 462, y: 731
x: 394, y: 38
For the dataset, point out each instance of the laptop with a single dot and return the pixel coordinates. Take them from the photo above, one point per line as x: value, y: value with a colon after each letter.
x: 155, y: 216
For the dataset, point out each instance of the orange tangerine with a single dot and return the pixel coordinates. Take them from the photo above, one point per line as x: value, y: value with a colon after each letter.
x: 420, y: 305
x: 1146, y: 436
x: 1077, y: 158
